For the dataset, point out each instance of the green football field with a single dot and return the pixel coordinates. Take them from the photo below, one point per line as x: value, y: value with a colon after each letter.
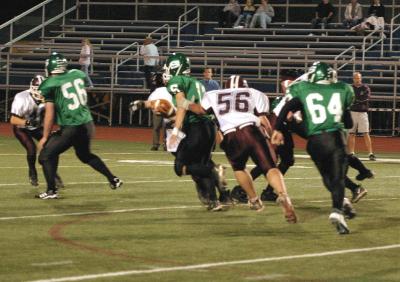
x: 154, y: 229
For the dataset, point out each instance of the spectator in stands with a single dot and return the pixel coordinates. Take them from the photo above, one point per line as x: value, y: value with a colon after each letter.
x: 375, y: 19
x: 246, y: 15
x: 229, y: 14
x: 151, y: 59
x: 359, y: 114
x: 85, y: 59
x: 209, y: 83
x: 353, y: 14
x: 263, y: 15
x: 323, y: 15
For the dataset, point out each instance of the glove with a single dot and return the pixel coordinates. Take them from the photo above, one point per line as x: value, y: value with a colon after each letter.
x: 136, y: 105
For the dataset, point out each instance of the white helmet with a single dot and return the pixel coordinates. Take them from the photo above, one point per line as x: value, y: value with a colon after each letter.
x: 34, y: 88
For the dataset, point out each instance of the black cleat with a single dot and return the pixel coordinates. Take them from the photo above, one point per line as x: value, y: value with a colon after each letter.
x: 116, y: 183
x: 48, y: 195
x: 364, y: 175
x: 33, y: 181
x: 59, y: 182
x: 215, y: 206
x: 154, y: 148
x: 238, y: 195
x: 372, y: 157
x: 360, y: 193
x: 269, y: 195
x: 225, y: 198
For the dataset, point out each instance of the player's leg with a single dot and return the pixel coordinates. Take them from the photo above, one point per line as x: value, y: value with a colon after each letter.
x: 364, y: 129
x: 157, y: 125
x: 81, y: 144
x: 25, y: 138
x: 351, y: 140
x: 57, y: 143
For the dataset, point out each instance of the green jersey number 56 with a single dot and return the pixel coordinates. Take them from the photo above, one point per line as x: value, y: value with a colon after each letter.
x: 76, y: 92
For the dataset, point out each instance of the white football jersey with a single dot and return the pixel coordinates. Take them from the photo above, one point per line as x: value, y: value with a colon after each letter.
x: 25, y: 107
x: 234, y: 107
x: 160, y: 93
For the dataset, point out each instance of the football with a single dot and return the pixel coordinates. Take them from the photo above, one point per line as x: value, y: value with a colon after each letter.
x: 163, y: 107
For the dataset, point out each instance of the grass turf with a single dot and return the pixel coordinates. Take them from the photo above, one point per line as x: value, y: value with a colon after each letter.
x: 155, y: 221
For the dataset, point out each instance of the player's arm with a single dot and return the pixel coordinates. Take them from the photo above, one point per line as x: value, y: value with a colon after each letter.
x: 182, y: 105
x: 293, y: 105
x: 266, y: 125
x: 16, y: 120
x: 48, y: 123
x: 197, y: 109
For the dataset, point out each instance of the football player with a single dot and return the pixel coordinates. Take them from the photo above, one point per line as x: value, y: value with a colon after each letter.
x: 240, y: 112
x: 193, y: 154
x: 27, y: 112
x: 324, y: 103
x: 65, y: 99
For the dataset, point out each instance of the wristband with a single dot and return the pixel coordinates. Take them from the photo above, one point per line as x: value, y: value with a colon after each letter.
x: 175, y: 131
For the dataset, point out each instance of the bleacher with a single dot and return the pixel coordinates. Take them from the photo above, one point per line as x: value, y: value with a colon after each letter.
x: 259, y: 55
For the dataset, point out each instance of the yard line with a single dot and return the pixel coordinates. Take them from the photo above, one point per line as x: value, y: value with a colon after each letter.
x: 98, y: 212
x: 152, y: 209
x: 217, y: 264
x: 53, y: 263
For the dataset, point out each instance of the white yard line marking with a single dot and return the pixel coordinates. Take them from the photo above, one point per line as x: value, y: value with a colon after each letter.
x: 53, y: 263
x: 216, y: 264
x: 151, y: 209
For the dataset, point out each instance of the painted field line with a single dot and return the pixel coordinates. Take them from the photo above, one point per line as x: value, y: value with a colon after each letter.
x: 217, y: 264
x: 98, y: 212
x: 153, y: 209
x: 53, y: 263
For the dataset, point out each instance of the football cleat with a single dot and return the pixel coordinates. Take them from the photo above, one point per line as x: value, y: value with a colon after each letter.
x: 348, y: 209
x: 238, y: 195
x: 287, y: 207
x: 48, y: 195
x: 372, y: 157
x: 337, y: 219
x: 256, y: 205
x: 225, y: 198
x: 116, y: 183
x: 202, y: 194
x: 215, y: 206
x: 364, y: 175
x: 268, y: 194
x: 360, y: 193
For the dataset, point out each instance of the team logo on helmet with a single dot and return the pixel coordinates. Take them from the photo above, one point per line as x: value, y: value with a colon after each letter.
x: 56, y: 64
x: 236, y: 81
x: 34, y: 88
x: 321, y: 73
x: 176, y: 64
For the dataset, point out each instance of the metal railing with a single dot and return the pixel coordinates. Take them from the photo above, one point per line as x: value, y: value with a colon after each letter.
x: 119, y: 62
x: 10, y: 24
x: 393, y: 30
x: 341, y: 55
x: 180, y: 26
x: 167, y: 36
x: 365, y: 49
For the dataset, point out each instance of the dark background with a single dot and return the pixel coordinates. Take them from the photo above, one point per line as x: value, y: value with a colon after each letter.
x: 11, y: 8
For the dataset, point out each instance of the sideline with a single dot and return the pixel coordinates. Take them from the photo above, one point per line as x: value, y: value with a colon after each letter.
x: 216, y: 264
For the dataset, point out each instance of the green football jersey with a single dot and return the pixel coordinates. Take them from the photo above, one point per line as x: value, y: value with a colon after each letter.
x: 323, y: 104
x: 194, y: 91
x: 67, y: 92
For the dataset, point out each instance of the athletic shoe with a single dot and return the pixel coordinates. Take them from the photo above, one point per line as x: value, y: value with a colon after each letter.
x: 116, y: 183
x: 202, y: 194
x: 215, y: 206
x: 268, y: 194
x: 337, y: 219
x: 360, y: 193
x: 348, y: 209
x: 59, y: 182
x: 225, y: 198
x: 372, y: 157
x: 154, y: 148
x: 48, y: 195
x: 33, y: 181
x: 287, y: 207
x: 256, y: 205
x: 364, y: 175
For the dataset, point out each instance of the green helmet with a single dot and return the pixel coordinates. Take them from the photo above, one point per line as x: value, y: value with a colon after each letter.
x: 321, y: 72
x: 176, y: 64
x: 56, y: 64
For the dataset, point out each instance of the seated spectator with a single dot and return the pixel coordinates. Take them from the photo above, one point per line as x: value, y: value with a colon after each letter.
x: 375, y: 19
x: 209, y: 83
x: 323, y: 14
x: 263, y: 15
x: 229, y: 14
x: 246, y: 15
x: 353, y: 14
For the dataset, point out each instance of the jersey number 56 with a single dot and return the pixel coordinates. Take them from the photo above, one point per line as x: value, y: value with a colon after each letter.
x: 76, y: 92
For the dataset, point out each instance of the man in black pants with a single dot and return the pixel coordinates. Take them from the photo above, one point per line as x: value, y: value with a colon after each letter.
x: 27, y: 112
x: 324, y: 103
x: 65, y: 97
